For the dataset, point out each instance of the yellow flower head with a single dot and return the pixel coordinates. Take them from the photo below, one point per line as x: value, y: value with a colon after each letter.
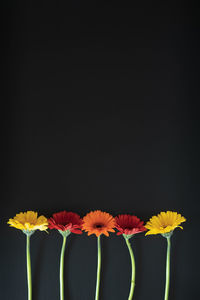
x: 29, y: 221
x: 164, y: 222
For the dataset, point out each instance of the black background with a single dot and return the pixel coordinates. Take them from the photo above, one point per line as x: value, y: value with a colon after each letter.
x: 100, y: 112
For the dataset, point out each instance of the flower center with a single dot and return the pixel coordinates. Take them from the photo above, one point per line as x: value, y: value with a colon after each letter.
x: 98, y: 225
x: 164, y: 226
x: 129, y: 228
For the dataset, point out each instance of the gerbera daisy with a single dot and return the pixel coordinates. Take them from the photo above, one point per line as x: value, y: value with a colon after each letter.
x: 98, y: 223
x: 66, y: 223
x: 29, y: 222
x: 129, y: 225
x: 165, y: 223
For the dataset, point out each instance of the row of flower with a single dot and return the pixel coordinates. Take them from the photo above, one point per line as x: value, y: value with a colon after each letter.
x: 97, y: 223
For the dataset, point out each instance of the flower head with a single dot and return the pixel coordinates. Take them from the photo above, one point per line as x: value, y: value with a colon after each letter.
x: 164, y: 223
x: 66, y: 221
x: 98, y: 222
x: 129, y: 225
x: 29, y: 222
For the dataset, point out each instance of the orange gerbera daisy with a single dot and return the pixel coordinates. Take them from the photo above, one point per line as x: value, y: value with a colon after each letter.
x: 98, y: 222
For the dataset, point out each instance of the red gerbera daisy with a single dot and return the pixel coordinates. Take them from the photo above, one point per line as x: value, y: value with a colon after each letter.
x: 129, y: 225
x: 66, y: 221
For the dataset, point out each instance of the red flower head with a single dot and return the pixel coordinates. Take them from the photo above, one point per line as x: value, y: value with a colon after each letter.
x: 66, y: 221
x: 129, y: 225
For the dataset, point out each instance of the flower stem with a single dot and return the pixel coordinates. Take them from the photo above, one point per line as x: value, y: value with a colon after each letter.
x: 167, y: 269
x: 62, y: 269
x: 133, y: 269
x: 98, y: 268
x: 28, y: 263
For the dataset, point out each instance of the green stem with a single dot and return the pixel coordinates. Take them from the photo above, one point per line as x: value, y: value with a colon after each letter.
x: 133, y: 270
x: 98, y: 268
x: 28, y: 263
x: 167, y: 269
x: 62, y: 269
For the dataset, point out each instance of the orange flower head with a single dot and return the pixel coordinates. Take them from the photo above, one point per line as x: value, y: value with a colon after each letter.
x: 98, y: 222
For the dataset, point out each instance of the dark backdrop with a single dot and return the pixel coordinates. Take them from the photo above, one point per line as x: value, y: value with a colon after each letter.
x: 100, y: 112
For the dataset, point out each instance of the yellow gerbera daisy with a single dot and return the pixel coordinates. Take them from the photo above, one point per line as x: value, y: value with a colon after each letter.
x: 164, y: 222
x: 29, y: 221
